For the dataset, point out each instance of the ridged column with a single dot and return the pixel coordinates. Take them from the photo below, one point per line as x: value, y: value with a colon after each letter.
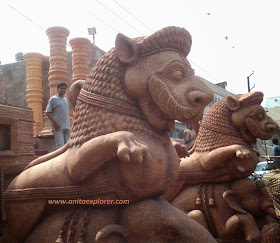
x: 34, y: 91
x: 58, y: 71
x: 80, y: 48
x: 58, y: 57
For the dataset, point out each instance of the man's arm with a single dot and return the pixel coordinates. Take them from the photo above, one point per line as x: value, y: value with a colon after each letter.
x: 54, y: 122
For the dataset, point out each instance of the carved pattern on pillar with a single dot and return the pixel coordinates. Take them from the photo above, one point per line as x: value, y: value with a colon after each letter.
x: 80, y: 48
x: 34, y: 91
x: 58, y: 63
x: 58, y: 57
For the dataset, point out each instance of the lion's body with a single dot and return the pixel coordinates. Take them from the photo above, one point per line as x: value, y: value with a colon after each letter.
x: 114, y: 180
x: 119, y: 146
x: 212, y: 187
x: 223, y: 147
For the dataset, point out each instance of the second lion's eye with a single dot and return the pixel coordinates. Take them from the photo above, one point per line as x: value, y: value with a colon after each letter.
x: 177, y: 75
x: 260, y: 117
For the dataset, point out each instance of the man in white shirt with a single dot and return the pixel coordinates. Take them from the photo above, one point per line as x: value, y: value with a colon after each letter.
x: 58, y: 112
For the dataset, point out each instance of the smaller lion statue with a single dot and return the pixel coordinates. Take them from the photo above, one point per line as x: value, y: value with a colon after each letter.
x: 223, y: 150
x: 212, y: 187
x: 223, y: 147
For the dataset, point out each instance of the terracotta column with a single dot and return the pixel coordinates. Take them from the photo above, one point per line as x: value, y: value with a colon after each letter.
x: 34, y: 91
x: 80, y: 48
x: 58, y: 63
x: 58, y: 57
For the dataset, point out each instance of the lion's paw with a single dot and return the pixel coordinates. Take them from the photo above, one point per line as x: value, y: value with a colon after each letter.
x: 131, y: 149
x: 243, y: 154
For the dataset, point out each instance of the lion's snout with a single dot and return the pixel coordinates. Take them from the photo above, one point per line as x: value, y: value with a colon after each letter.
x: 271, y: 127
x: 199, y: 98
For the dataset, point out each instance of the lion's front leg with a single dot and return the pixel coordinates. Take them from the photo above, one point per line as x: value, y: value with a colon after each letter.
x: 94, y: 153
x: 217, y: 157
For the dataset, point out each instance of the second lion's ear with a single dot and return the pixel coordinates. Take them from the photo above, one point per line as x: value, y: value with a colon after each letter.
x: 233, y: 103
x: 126, y: 49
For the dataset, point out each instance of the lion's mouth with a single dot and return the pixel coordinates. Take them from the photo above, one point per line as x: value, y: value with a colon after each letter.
x: 256, y: 131
x: 169, y: 106
x: 194, y: 120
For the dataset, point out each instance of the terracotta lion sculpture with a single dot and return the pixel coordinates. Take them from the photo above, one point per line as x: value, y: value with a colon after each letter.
x: 223, y: 150
x: 236, y: 210
x: 212, y: 186
x: 224, y: 145
x: 119, y: 150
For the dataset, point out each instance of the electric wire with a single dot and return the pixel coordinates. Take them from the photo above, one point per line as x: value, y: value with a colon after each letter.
x: 91, y: 13
x: 119, y: 17
x: 33, y: 22
x: 149, y: 29
x: 134, y: 16
x: 191, y: 61
x: 135, y: 28
x: 20, y: 13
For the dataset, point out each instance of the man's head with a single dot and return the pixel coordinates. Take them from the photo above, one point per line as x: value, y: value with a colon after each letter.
x: 275, y: 141
x: 61, y: 88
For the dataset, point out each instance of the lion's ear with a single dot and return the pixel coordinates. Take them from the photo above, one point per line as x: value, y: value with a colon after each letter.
x: 233, y: 103
x: 74, y: 92
x: 126, y: 49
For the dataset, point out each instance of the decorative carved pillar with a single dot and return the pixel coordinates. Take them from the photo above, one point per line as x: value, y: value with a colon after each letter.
x: 58, y: 63
x: 80, y: 48
x: 34, y: 91
x: 58, y: 57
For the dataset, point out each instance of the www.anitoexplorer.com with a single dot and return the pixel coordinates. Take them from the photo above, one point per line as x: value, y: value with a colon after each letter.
x: 87, y: 202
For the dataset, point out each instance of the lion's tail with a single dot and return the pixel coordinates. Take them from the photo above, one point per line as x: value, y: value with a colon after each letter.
x: 47, y: 157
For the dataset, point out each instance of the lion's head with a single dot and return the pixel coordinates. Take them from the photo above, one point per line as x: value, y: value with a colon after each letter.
x: 236, y: 119
x: 142, y: 83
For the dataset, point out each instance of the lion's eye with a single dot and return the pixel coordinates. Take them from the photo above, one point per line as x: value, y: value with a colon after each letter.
x: 177, y: 75
x: 260, y: 116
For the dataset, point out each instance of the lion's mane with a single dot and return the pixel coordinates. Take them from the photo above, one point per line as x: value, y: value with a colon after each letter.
x: 217, y: 130
x: 105, y: 80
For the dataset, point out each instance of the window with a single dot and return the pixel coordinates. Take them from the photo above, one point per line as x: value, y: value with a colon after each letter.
x: 5, y: 137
